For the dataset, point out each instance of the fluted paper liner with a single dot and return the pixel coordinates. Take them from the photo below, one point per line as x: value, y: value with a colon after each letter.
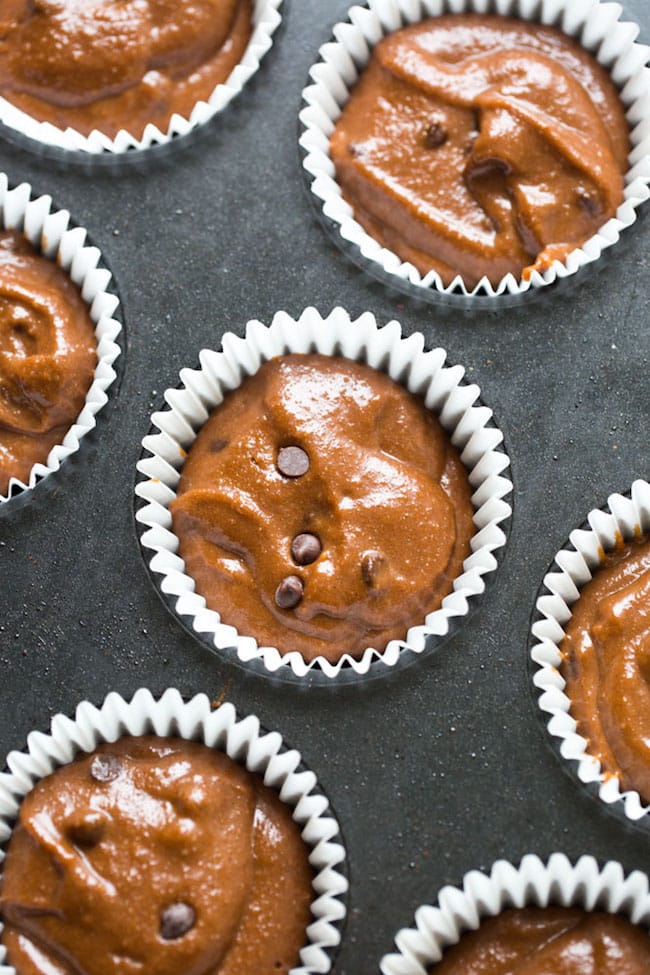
x: 531, y: 884
x: 266, y: 18
x: 242, y: 740
x: 626, y: 518
x: 598, y: 29
x: 405, y: 360
x: 51, y: 232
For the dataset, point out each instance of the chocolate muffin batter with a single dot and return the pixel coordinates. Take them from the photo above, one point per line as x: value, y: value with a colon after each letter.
x: 550, y: 941
x: 481, y: 146
x: 322, y: 508
x: 154, y: 855
x: 606, y: 665
x: 47, y: 356
x: 118, y: 64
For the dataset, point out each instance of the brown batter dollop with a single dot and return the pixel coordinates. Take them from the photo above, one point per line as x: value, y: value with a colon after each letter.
x: 47, y: 356
x: 481, y: 146
x: 118, y: 64
x: 606, y: 665
x: 154, y: 855
x: 550, y: 941
x: 322, y: 508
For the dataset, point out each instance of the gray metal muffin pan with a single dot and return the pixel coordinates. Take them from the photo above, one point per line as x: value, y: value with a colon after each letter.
x: 444, y: 766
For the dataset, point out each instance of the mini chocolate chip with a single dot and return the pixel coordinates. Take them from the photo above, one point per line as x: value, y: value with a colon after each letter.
x: 176, y: 920
x: 371, y: 565
x: 305, y: 548
x: 105, y: 768
x: 218, y: 445
x: 589, y: 203
x: 293, y: 461
x: 357, y: 150
x: 487, y: 167
x: 289, y: 592
x: 435, y: 135
x: 88, y: 832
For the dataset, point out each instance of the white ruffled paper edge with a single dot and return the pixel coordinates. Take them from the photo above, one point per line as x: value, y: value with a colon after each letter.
x: 266, y: 19
x: 242, y: 740
x: 532, y: 884
x: 595, y: 25
x: 50, y: 232
x: 626, y: 517
x: 405, y: 360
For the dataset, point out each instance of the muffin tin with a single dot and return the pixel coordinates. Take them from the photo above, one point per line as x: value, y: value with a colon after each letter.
x: 436, y: 769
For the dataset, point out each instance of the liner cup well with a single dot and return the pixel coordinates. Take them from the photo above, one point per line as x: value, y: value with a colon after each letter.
x: 627, y: 517
x: 243, y: 741
x: 597, y: 28
x: 532, y: 884
x: 266, y: 19
x: 51, y: 232
x: 404, y: 359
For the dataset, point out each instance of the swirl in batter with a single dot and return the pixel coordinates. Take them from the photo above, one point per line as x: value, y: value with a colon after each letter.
x: 606, y: 664
x: 557, y: 940
x: 154, y: 855
x: 322, y: 508
x: 481, y: 146
x: 118, y: 64
x: 47, y: 356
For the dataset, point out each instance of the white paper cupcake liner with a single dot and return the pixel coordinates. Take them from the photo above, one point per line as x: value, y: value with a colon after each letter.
x: 266, y: 18
x: 405, y: 360
x: 626, y: 517
x: 243, y: 741
x: 598, y: 29
x: 51, y: 232
x: 532, y: 884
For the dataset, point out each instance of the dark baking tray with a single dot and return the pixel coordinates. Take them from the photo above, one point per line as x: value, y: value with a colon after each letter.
x: 444, y: 766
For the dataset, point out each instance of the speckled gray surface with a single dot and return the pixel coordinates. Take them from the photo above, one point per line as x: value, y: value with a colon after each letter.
x: 444, y: 767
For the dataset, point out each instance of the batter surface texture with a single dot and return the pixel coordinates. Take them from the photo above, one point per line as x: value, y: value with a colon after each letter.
x: 118, y: 64
x: 155, y: 855
x: 606, y: 664
x: 481, y: 146
x: 322, y: 508
x: 47, y: 356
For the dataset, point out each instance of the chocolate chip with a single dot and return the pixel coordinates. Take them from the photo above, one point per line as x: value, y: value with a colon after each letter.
x: 289, y: 592
x: 372, y: 564
x: 218, y: 445
x: 488, y: 167
x: 357, y: 150
x: 305, y: 548
x: 435, y: 135
x: 88, y: 832
x: 105, y: 768
x: 293, y: 461
x: 589, y: 203
x: 176, y: 920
